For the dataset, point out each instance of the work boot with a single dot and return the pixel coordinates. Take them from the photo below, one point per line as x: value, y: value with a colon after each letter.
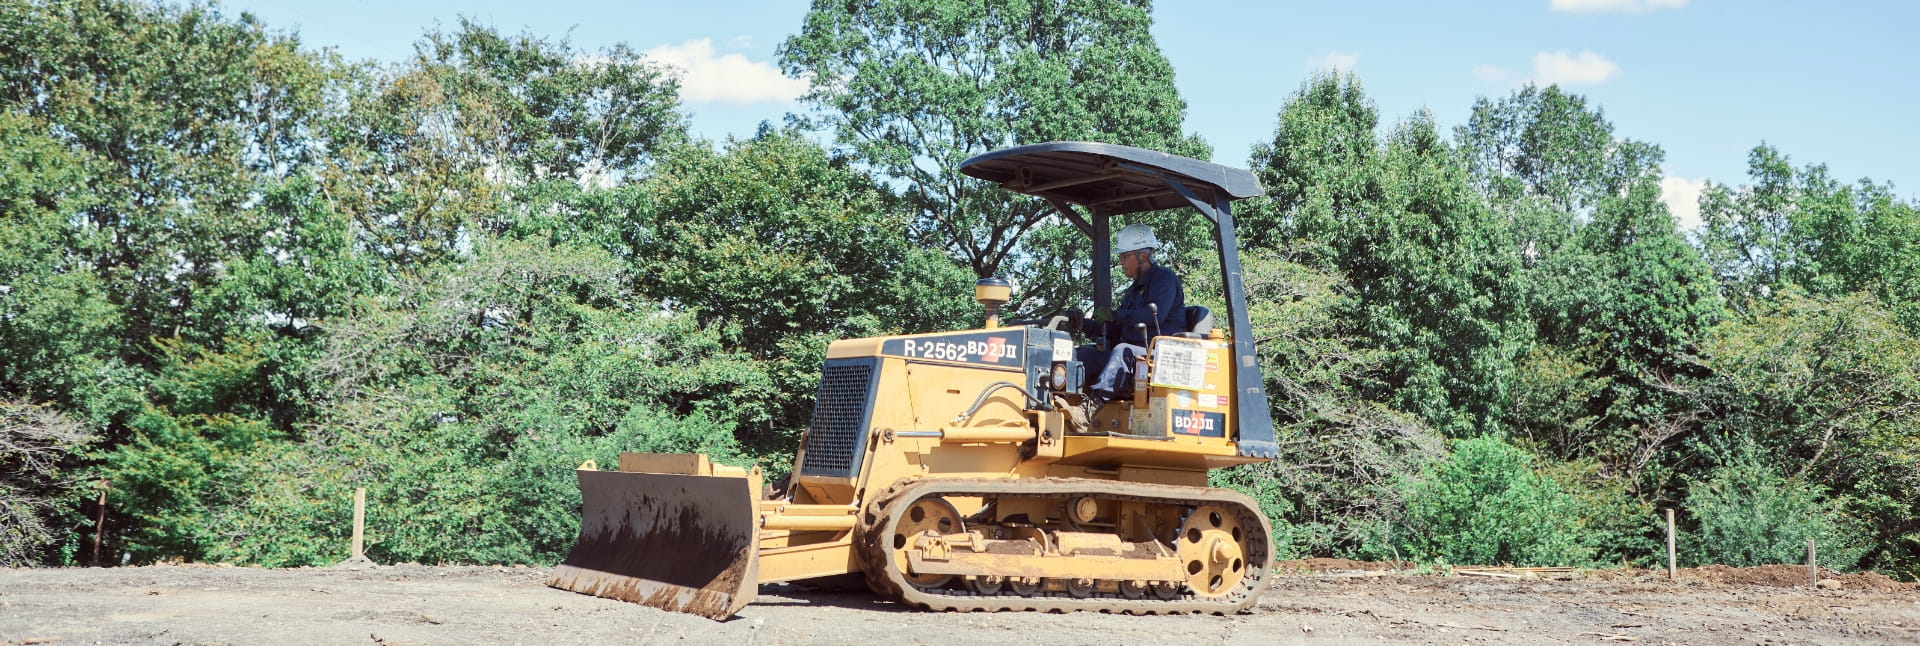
x: 1078, y: 421
x: 1090, y: 406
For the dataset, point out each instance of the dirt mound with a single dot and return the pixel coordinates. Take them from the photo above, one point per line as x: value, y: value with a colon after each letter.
x: 1779, y: 576
x: 1625, y: 575
x: 1782, y: 576
x: 1318, y: 564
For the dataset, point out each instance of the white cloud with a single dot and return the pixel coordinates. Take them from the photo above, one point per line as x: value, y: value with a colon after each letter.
x: 1616, y: 6
x: 1565, y: 68
x: 1682, y: 196
x: 708, y: 77
x: 1490, y: 72
x: 1340, y: 61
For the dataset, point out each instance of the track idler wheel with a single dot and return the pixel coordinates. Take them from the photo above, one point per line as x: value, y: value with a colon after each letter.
x: 1212, y: 544
x: 925, y: 516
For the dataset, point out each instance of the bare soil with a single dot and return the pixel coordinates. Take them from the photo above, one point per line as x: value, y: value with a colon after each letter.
x: 1323, y: 601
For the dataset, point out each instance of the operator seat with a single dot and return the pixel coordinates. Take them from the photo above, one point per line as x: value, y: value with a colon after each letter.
x: 1199, y: 322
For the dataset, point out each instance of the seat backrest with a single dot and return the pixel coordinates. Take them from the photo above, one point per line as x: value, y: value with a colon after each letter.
x: 1199, y: 322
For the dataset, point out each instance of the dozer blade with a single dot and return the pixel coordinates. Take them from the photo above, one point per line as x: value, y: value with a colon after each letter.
x: 683, y: 543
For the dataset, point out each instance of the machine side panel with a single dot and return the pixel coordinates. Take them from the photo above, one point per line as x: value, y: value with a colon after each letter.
x: 841, y: 410
x: 1030, y: 350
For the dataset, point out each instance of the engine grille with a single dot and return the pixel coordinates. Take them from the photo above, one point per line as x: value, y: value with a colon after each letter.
x: 838, y: 433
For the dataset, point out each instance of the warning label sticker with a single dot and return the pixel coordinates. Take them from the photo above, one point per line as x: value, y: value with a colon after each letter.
x: 1179, y: 363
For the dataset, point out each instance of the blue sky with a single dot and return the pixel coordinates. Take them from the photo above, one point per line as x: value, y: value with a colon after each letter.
x: 1834, y: 83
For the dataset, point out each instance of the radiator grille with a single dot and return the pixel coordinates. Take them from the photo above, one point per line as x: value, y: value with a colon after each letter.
x: 838, y: 432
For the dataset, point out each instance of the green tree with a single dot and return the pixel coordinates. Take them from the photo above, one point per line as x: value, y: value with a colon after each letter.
x: 492, y: 379
x: 912, y: 89
x: 1337, y: 487
x: 1546, y: 143
x: 1428, y: 266
x: 34, y: 491
x: 58, y: 323
x: 1749, y: 515
x: 198, y: 440
x: 1747, y: 237
x: 1615, y: 296
x: 1322, y: 163
x: 1828, y: 389
x: 1486, y: 505
x: 785, y: 250
x: 1434, y: 283
x: 478, y: 125
x: 173, y: 114
x: 176, y: 121
x: 1629, y: 300
x: 546, y: 110
x: 822, y: 247
x: 1802, y: 227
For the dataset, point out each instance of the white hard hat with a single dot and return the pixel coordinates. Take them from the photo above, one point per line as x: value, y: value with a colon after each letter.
x: 1136, y: 237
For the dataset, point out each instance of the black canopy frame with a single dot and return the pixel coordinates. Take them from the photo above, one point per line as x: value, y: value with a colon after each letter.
x: 1111, y: 179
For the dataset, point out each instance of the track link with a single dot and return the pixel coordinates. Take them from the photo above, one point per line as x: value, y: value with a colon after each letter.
x: 887, y: 577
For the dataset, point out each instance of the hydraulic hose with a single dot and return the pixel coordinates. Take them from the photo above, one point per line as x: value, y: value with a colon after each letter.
x: 982, y: 400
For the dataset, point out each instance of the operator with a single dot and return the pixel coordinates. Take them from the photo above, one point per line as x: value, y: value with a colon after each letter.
x: 1152, y: 284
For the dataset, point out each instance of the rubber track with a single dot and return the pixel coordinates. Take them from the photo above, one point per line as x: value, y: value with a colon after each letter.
x: 886, y: 577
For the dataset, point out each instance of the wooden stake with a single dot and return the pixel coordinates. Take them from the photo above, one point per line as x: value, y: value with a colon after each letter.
x: 100, y: 523
x: 1670, y: 564
x: 1813, y: 570
x: 359, y: 521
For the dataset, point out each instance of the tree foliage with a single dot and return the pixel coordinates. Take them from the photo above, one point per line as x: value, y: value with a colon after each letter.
x: 911, y: 89
x: 173, y: 114
x: 1338, y: 486
x: 1545, y: 143
x: 431, y: 152
x: 1428, y: 266
x: 824, y: 246
x: 1486, y: 505
x: 34, y: 441
x: 240, y: 278
x: 1802, y: 227
x: 1828, y: 390
x: 503, y: 373
x: 1320, y: 164
x: 1615, y: 296
x: 1749, y: 515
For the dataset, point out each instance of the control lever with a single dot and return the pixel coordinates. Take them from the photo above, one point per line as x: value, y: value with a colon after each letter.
x: 1154, y: 310
x: 1140, y: 371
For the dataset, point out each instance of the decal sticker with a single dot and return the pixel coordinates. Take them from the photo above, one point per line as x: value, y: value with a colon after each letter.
x: 1179, y: 363
x: 1199, y: 423
x: 1000, y: 349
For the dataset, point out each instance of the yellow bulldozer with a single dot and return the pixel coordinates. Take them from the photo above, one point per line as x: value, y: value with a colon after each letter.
x: 960, y: 471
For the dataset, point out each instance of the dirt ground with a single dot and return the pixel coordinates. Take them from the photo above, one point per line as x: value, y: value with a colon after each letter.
x: 1321, y: 601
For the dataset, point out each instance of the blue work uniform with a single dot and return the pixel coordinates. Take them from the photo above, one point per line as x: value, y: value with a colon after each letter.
x: 1158, y: 286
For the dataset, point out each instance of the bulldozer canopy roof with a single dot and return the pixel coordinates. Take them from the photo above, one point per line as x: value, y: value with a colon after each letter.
x: 1111, y: 177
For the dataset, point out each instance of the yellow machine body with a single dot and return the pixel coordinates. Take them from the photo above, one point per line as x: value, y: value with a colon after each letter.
x: 918, y: 391
x: 965, y: 470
